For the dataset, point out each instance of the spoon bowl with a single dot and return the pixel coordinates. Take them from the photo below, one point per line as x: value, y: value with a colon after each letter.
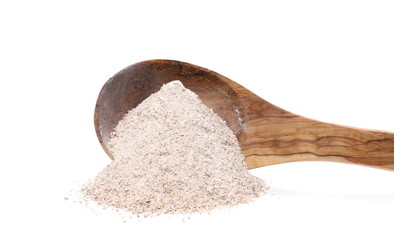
x: 267, y: 134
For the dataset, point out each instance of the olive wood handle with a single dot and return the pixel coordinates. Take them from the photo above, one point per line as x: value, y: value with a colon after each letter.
x: 277, y: 136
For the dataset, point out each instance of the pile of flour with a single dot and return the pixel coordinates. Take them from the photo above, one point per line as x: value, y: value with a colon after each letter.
x: 172, y: 154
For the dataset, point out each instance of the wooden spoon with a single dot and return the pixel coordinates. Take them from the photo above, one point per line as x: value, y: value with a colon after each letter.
x: 267, y: 134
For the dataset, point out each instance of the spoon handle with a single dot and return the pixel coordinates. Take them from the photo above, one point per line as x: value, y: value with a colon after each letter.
x: 277, y: 136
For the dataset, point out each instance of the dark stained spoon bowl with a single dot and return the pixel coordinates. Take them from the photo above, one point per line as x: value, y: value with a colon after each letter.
x: 267, y: 134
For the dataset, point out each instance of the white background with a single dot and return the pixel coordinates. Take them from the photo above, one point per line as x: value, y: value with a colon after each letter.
x: 328, y: 60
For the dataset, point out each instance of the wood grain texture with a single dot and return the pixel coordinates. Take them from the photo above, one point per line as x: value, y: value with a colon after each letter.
x: 267, y: 134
